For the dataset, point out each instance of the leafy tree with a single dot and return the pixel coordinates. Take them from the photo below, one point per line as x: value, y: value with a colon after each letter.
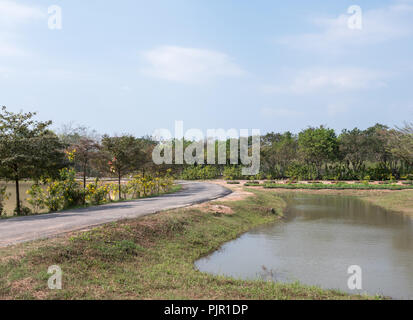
x: 318, y: 146
x: 354, y: 149
x: 122, y: 154
x: 401, y: 143
x: 85, y: 150
x: 27, y: 149
x: 278, y: 151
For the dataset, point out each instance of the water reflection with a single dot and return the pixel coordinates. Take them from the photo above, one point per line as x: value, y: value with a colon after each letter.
x: 317, y: 242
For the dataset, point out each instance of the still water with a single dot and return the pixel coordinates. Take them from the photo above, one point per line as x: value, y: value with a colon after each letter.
x: 316, y: 243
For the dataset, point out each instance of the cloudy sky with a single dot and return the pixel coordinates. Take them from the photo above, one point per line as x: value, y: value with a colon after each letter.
x: 135, y: 66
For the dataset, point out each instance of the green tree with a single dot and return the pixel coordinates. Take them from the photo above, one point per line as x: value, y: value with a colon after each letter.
x: 401, y: 143
x: 354, y: 149
x: 318, y: 146
x: 122, y: 153
x: 85, y: 150
x: 278, y: 151
x: 28, y: 149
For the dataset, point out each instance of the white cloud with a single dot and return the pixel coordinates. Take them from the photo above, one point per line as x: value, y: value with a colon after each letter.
x: 379, y: 25
x: 329, y: 80
x: 12, y: 16
x: 280, y: 112
x: 188, y: 65
x: 13, y: 13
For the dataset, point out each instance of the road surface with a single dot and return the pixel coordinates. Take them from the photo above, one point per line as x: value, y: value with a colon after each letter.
x: 22, y: 229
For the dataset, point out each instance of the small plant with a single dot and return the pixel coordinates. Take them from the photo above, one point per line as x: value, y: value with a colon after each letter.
x: 3, y: 197
x: 36, y: 197
x: 232, y: 173
x: 24, y: 211
x: 96, y: 194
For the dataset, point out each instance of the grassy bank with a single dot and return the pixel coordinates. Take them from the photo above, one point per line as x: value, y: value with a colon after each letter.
x: 338, y: 186
x: 399, y: 201
x: 148, y: 258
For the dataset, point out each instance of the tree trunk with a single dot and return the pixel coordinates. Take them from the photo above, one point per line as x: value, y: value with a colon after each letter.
x: 18, y: 209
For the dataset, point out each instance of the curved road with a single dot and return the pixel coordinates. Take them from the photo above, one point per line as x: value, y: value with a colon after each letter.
x: 24, y: 229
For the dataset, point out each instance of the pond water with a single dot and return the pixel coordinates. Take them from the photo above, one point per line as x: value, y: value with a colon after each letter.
x: 316, y: 243
x: 10, y: 204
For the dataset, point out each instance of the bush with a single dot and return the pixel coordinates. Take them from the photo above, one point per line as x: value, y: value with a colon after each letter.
x: 72, y: 191
x: 67, y: 193
x: 36, y: 199
x: 232, y: 173
x: 201, y: 173
x: 140, y: 186
x: 96, y: 194
x: 298, y: 171
x: 3, y: 197
x: 24, y: 211
x: 58, y: 194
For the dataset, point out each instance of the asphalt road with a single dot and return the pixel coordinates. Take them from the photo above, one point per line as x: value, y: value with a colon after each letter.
x: 22, y: 229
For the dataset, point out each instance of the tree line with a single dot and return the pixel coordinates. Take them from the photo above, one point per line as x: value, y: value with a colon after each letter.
x: 29, y: 149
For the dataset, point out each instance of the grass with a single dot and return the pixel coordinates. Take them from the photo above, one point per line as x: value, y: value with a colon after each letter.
x: 338, y: 186
x: 149, y: 258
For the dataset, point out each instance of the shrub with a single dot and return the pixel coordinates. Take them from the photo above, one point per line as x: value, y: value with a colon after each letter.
x: 299, y: 171
x: 232, y: 173
x: 58, y: 194
x: 24, y: 211
x: 72, y: 191
x: 96, y: 194
x: 201, y: 173
x: 3, y: 197
x: 37, y: 197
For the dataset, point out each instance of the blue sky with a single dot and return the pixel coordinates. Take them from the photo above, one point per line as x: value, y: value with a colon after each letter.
x: 134, y: 66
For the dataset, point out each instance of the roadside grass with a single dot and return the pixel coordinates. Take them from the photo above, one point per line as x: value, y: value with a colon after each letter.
x: 149, y: 258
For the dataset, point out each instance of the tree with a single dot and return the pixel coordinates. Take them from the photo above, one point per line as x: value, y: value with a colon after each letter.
x: 84, y: 151
x: 278, y: 151
x: 27, y: 149
x: 354, y: 149
x: 318, y: 145
x: 123, y: 153
x: 401, y: 143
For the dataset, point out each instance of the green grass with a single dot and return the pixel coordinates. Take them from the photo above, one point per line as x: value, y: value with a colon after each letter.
x: 149, y: 258
x: 339, y: 186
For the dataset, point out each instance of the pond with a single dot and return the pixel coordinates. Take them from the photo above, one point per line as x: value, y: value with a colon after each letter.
x: 10, y: 204
x: 317, y: 242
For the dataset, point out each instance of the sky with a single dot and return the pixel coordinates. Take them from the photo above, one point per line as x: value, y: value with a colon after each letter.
x: 134, y: 66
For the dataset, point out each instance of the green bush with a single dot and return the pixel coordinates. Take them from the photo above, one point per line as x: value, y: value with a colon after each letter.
x: 3, y: 197
x: 232, y: 173
x: 201, y: 173
x: 298, y: 171
x: 58, y: 194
